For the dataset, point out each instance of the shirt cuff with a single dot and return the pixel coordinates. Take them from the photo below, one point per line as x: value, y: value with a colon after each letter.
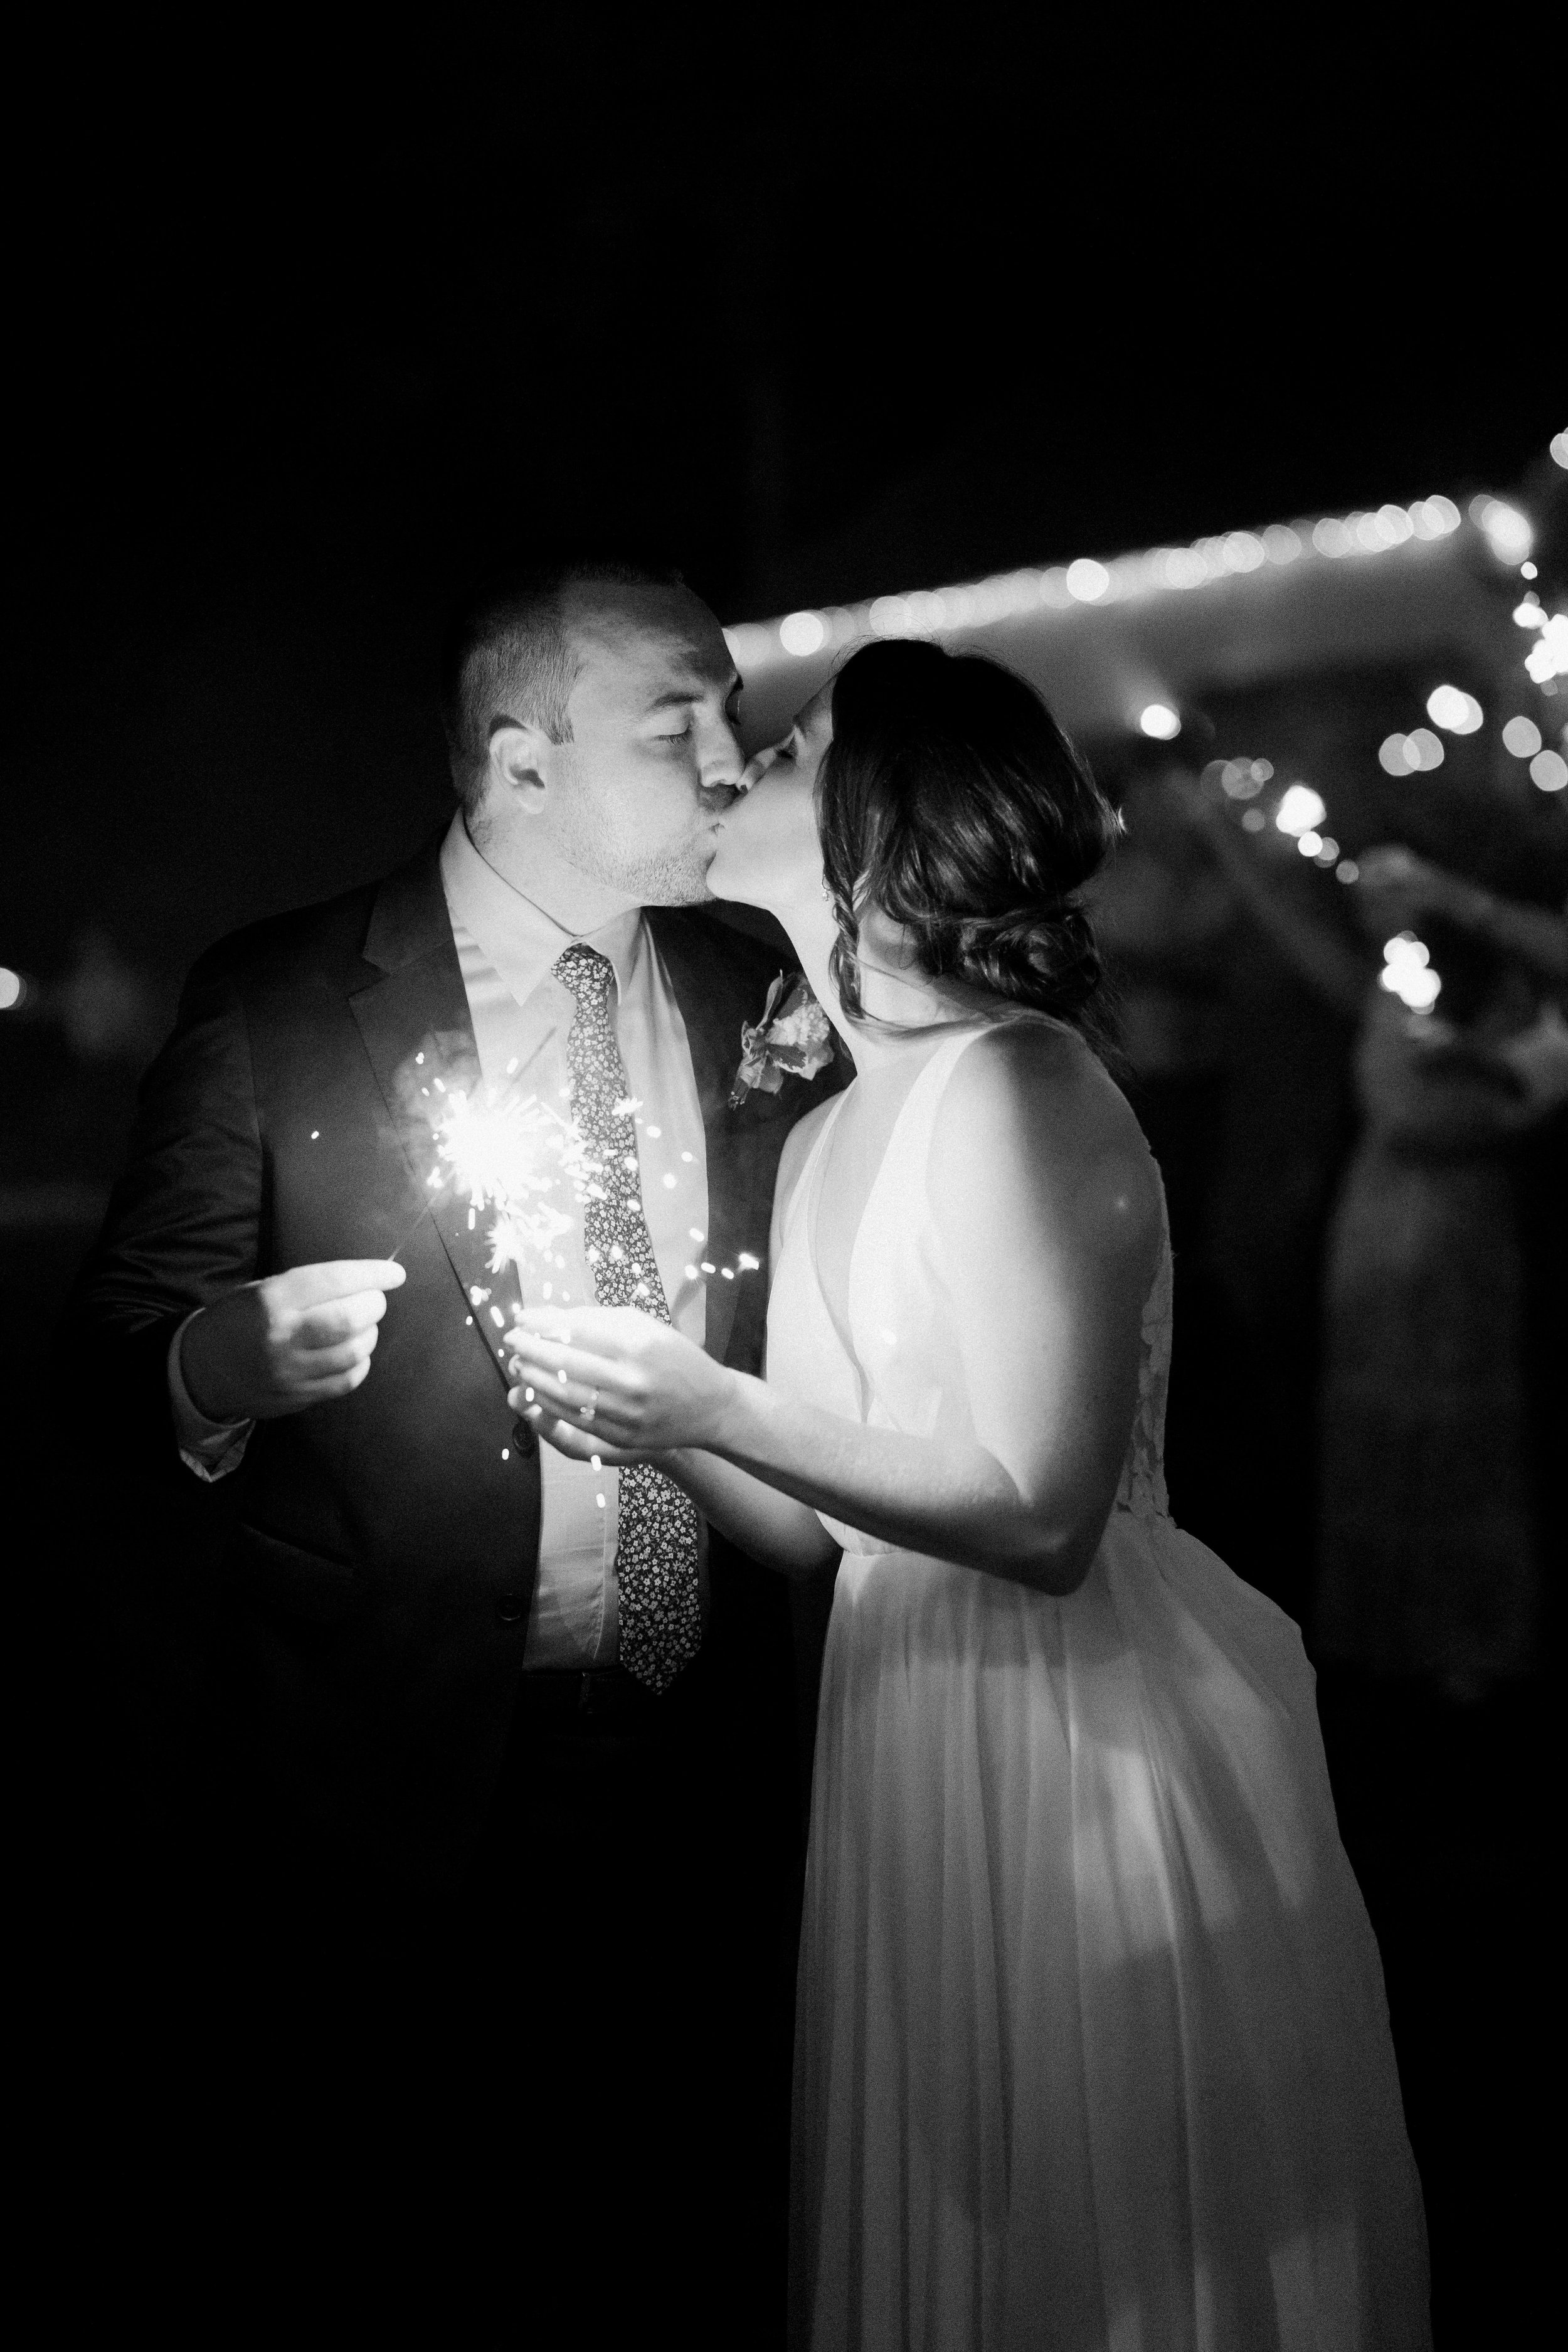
x: 209, y: 1448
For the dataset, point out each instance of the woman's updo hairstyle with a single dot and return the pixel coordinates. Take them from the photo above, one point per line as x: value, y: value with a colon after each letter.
x: 952, y: 800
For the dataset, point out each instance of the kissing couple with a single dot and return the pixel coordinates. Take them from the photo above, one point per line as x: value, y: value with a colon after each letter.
x: 496, y: 1631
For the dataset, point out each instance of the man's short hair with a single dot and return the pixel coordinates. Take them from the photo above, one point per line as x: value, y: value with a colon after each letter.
x: 511, y: 656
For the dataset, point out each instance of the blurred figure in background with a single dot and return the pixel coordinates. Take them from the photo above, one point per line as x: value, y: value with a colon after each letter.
x: 1428, y: 1550
x: 1238, y: 1077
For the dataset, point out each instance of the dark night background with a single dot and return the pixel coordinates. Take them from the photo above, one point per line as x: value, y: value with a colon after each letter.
x: 816, y: 323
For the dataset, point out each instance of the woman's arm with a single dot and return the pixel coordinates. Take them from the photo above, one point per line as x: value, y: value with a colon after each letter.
x: 1047, y: 1206
x: 1328, y: 964
x: 773, y: 1528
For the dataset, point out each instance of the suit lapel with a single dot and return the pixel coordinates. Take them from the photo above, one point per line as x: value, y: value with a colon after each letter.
x: 407, y: 998
x: 409, y: 1002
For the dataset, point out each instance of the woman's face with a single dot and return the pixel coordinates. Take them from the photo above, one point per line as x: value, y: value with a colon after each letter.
x: 769, y: 853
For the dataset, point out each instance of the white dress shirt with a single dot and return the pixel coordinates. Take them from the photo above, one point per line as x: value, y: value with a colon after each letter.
x: 507, y: 948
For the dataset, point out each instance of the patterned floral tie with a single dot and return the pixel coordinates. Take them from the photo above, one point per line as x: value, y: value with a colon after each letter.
x: 656, y: 1562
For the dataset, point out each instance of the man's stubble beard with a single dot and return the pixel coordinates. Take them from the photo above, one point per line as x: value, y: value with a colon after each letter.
x: 665, y: 877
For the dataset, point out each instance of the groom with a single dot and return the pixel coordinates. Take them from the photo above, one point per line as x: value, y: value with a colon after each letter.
x: 535, y: 1708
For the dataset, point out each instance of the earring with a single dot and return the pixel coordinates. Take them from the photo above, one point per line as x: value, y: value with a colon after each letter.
x: 826, y: 892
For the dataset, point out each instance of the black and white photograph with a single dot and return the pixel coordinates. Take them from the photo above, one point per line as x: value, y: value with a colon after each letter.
x: 783, y: 1031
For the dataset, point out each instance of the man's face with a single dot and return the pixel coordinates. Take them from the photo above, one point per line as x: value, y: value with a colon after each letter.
x: 653, y: 761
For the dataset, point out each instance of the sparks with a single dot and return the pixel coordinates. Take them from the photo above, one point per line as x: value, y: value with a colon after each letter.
x: 510, y: 1161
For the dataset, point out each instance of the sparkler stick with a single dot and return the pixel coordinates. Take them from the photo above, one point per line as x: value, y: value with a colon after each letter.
x: 395, y: 1256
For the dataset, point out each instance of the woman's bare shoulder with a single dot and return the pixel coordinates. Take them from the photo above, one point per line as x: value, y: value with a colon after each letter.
x: 1030, y: 1103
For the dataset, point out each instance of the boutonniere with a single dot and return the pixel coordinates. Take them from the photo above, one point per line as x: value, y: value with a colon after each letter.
x: 793, y: 1039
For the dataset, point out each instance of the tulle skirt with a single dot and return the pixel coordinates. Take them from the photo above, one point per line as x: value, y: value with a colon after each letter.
x: 1092, y: 2046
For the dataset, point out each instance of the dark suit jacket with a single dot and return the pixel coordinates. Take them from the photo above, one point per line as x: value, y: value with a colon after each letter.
x: 351, y: 1603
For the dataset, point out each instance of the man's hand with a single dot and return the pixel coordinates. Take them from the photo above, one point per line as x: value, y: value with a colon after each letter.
x: 294, y: 1339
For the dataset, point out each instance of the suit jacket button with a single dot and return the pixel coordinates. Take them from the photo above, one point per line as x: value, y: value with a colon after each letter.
x: 511, y: 1607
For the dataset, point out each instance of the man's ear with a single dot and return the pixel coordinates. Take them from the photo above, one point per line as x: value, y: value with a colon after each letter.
x: 520, y: 767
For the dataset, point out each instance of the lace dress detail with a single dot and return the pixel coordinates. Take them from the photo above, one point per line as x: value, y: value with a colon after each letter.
x: 1142, y: 1486
x: 1092, y: 2047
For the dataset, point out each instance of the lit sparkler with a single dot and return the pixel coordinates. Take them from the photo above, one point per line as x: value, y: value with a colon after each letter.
x: 510, y: 1160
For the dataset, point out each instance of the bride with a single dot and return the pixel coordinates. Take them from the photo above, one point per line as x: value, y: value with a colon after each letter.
x: 1093, y: 2048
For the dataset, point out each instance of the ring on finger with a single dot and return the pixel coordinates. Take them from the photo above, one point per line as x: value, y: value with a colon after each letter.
x: 589, y: 1410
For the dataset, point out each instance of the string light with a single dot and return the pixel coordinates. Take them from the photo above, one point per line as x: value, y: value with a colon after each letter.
x: 1038, y: 595
x: 1034, y: 592
x: 1087, y: 580
x: 803, y: 633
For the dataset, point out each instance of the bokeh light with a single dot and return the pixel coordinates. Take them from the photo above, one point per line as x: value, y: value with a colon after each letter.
x: 1434, y: 518
x: 1087, y: 580
x: 1522, y: 737
x: 1309, y: 843
x: 803, y: 633
x: 1410, y: 755
x: 1180, y: 567
x: 1347, y: 870
x: 1300, y: 810
x: 1508, y: 532
x: 1548, y: 656
x: 1240, y: 780
x: 1450, y: 707
x: 1408, y: 972
x: 11, y: 988
x: 1549, y: 771
x: 1559, y: 447
x: 927, y: 612
x: 1161, y: 721
x: 1240, y: 550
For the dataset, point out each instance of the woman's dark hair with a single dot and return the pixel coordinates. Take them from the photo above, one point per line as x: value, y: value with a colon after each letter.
x: 952, y: 800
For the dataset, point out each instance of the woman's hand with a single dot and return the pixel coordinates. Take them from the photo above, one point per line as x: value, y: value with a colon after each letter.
x: 1401, y: 888
x: 611, y: 1381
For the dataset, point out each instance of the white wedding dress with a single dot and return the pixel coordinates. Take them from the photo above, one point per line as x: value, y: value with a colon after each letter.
x: 1092, y: 2046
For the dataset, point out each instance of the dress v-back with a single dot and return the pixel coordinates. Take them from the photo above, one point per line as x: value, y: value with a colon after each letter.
x: 1092, y: 2047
